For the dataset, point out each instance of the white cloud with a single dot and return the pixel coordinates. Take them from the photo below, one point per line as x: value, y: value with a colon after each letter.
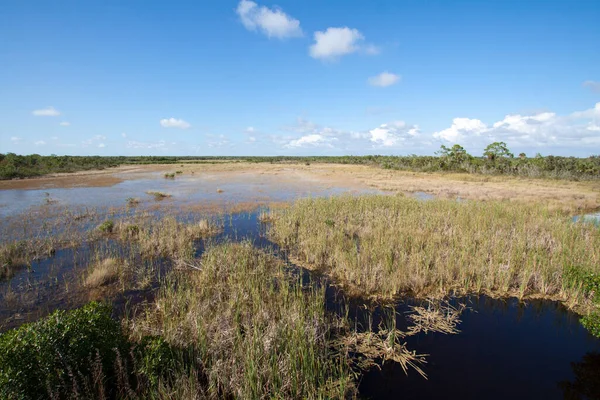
x: 545, y: 129
x: 273, y: 22
x: 39, y: 143
x: 335, y: 42
x: 461, y: 128
x: 46, y: 112
x: 101, y: 145
x: 593, y: 85
x: 250, y: 129
x: 393, y: 134
x: 251, y: 139
x: 311, y: 140
x: 384, y: 79
x: 65, y: 123
x: 15, y: 139
x: 132, y: 144
x: 386, y: 135
x: 54, y: 138
x: 124, y: 134
x: 174, y: 123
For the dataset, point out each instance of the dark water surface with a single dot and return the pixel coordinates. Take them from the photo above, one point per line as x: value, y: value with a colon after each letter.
x: 506, y: 350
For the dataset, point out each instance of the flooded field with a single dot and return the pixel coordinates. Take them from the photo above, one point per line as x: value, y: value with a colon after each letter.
x: 478, y: 346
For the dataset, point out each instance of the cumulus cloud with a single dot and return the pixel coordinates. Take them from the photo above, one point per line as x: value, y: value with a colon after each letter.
x: 174, y: 123
x: 46, y: 112
x: 384, y: 79
x: 593, y: 85
x: 101, y: 145
x: 65, y: 123
x: 547, y: 129
x: 39, y: 143
x: 461, y: 128
x: 390, y: 135
x: 311, y: 140
x: 393, y: 134
x: 335, y: 42
x: 15, y: 139
x: 273, y: 22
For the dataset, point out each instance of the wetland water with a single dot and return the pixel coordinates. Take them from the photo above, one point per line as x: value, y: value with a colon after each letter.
x: 505, y: 348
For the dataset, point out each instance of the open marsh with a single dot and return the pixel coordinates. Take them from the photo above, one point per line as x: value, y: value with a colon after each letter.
x: 259, y: 292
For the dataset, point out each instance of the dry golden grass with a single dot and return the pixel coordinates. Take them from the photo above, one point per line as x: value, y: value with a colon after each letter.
x: 386, y: 246
x: 259, y: 333
x: 102, y: 273
x: 166, y: 237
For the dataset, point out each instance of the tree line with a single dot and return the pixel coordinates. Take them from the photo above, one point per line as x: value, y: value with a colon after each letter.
x: 497, y: 159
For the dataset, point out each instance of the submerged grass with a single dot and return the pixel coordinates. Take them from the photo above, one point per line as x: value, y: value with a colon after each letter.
x: 158, y: 195
x: 258, y: 331
x: 386, y: 246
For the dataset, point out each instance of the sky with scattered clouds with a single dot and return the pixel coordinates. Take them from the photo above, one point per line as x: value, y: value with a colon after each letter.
x: 299, y: 77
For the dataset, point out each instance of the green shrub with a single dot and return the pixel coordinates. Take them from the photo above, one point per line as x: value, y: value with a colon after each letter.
x: 591, y: 322
x: 588, y: 281
x: 106, y: 226
x: 156, y: 360
x: 60, y: 353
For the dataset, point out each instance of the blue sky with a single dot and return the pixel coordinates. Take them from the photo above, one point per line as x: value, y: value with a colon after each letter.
x: 298, y: 77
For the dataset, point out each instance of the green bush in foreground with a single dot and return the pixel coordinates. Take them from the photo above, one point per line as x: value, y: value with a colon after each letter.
x: 59, y: 352
x: 83, y: 354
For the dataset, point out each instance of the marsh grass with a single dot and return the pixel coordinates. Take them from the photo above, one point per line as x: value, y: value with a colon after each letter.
x: 258, y: 331
x: 266, y: 216
x: 388, y: 246
x: 132, y: 201
x: 19, y: 253
x: 437, y: 316
x: 158, y: 195
x: 166, y: 237
x: 373, y: 347
x: 103, y: 272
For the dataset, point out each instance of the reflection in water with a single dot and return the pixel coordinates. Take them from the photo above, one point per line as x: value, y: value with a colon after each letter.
x: 506, y: 349
x: 586, y: 384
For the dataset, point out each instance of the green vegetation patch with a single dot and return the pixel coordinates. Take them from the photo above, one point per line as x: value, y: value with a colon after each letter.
x: 84, y: 354
x: 59, y: 351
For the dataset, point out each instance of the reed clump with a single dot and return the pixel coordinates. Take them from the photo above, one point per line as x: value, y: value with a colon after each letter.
x: 19, y: 253
x: 386, y: 246
x: 158, y: 195
x: 102, y: 273
x: 266, y: 217
x: 167, y: 237
x: 258, y: 331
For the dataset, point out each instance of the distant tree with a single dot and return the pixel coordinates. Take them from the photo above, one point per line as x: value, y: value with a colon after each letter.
x: 497, y: 150
x: 456, y: 153
x: 522, y: 156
